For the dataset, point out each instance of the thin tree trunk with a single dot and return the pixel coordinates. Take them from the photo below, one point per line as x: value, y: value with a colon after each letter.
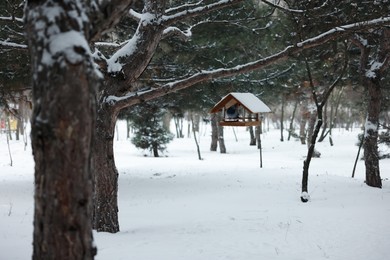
x: 319, y: 106
x: 196, y: 140
x: 214, y: 133
x: 252, y: 136
x: 291, y: 128
x: 221, y: 140
x: 302, y: 125
x: 311, y: 129
x: 357, y: 157
x: 258, y: 139
x: 310, y: 152
x: 282, y: 119
x: 155, y: 151
x: 324, y: 133
x: 9, y: 130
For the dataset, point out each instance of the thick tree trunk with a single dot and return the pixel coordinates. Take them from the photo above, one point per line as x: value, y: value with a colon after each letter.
x: 371, y: 78
x: 214, y: 133
x: 62, y: 124
x: 105, y: 217
x: 371, y: 157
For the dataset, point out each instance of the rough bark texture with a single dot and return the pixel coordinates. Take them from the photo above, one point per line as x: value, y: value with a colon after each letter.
x: 105, y: 217
x: 371, y: 79
x: 371, y: 157
x: 62, y: 132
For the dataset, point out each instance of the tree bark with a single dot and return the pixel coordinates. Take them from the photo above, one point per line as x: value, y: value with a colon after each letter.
x: 221, y: 140
x: 214, y: 133
x: 105, y: 218
x: 371, y: 157
x: 63, y: 119
x: 371, y: 78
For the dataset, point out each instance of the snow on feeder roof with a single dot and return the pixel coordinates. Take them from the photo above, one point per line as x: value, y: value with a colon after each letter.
x: 240, y: 109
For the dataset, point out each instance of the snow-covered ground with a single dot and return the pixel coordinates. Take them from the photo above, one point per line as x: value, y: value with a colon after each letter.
x: 224, y: 206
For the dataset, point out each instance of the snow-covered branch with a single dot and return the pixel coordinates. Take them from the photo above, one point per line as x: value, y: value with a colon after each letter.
x: 169, y: 18
x: 290, y: 50
x: 184, y: 35
x: 11, y: 18
x: 13, y: 45
x: 283, y: 8
x: 183, y: 7
x: 343, y: 29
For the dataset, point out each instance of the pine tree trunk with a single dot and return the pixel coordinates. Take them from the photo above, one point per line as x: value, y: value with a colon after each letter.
x: 371, y: 79
x: 214, y: 133
x: 63, y: 120
x: 105, y: 218
x: 371, y: 157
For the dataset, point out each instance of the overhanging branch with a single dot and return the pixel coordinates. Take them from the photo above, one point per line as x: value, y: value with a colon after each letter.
x: 135, y: 98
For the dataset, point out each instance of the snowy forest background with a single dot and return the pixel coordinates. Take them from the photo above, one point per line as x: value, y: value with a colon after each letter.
x: 75, y: 67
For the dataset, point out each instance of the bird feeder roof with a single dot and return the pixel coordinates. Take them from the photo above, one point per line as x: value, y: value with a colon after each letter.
x: 249, y: 101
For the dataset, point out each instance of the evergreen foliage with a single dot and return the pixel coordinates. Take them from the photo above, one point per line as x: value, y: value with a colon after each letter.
x: 14, y: 65
x: 149, y: 132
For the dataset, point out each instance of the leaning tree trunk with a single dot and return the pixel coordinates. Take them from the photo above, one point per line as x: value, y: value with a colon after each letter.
x: 62, y: 125
x: 105, y: 217
x: 310, y: 153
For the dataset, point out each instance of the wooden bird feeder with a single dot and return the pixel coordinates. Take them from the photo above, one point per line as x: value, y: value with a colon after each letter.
x: 240, y: 109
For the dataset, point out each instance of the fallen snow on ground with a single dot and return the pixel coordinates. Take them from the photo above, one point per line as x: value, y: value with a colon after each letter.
x: 224, y: 206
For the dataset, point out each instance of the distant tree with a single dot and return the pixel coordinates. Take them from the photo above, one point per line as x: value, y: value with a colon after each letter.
x: 149, y: 132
